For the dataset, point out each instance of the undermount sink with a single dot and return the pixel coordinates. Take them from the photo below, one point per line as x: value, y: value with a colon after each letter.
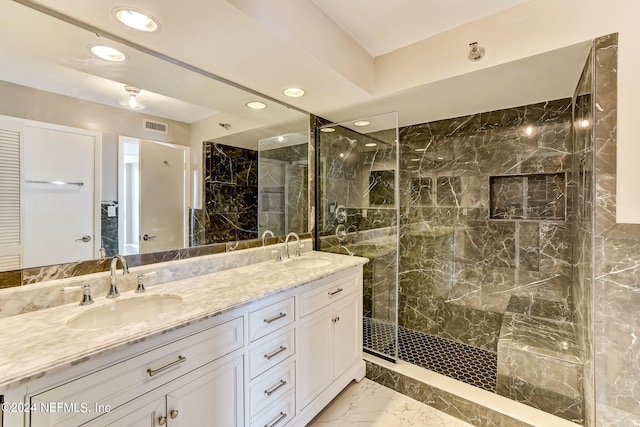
x: 308, y: 263
x: 125, y: 311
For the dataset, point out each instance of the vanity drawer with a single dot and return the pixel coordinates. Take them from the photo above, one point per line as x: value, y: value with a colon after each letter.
x: 269, y: 351
x: 324, y: 295
x: 277, y: 414
x: 270, y: 318
x: 270, y: 386
x: 119, y: 383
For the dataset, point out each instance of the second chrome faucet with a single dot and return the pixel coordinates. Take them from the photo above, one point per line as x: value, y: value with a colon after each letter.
x: 113, y: 289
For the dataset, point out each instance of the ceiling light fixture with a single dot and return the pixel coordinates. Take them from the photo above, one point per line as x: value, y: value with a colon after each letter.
x: 294, y: 92
x: 108, y: 53
x: 370, y: 144
x: 256, y: 105
x: 361, y: 123
x: 136, y: 19
x: 327, y: 130
x: 132, y: 103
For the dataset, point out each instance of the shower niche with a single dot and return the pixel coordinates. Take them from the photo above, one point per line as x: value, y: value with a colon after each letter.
x: 539, y: 196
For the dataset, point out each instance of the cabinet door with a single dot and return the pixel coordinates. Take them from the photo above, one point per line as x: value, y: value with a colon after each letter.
x: 315, y: 356
x: 346, y: 337
x: 215, y: 399
x: 141, y: 412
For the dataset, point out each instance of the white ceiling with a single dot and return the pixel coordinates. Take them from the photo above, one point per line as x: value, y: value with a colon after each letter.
x: 334, y: 50
x: 382, y: 26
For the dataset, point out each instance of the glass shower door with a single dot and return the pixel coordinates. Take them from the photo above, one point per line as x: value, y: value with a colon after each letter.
x: 357, y: 213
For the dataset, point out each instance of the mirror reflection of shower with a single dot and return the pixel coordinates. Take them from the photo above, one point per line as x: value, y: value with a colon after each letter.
x: 282, y: 184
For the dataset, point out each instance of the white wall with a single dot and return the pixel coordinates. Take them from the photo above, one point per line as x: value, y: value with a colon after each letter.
x: 33, y: 104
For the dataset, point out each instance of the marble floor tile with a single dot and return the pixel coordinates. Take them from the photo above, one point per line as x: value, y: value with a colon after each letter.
x: 372, y: 405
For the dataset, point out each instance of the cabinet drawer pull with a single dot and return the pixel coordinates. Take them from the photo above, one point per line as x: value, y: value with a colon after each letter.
x: 273, y: 389
x: 274, y: 318
x: 275, y: 352
x: 279, y: 418
x: 174, y: 414
x: 152, y: 372
x: 162, y: 421
x: 335, y: 292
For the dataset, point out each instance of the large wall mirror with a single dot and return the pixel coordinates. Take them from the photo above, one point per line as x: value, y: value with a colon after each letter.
x: 99, y: 157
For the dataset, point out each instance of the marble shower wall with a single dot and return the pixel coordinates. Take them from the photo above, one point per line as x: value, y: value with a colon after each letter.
x: 582, y: 229
x: 459, y: 264
x: 616, y: 255
x: 230, y: 193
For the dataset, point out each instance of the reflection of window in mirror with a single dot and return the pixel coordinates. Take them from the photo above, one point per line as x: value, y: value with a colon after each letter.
x: 381, y: 188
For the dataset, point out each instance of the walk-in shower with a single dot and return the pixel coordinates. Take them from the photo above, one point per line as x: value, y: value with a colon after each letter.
x: 467, y: 225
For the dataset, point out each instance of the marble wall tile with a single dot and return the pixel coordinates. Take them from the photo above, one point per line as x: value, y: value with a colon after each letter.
x: 109, y: 228
x: 230, y: 193
x: 458, y: 268
x: 615, y: 326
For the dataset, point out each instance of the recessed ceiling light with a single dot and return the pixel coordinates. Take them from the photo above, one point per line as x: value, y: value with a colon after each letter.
x: 256, y: 105
x: 136, y: 19
x: 370, y: 144
x: 361, y: 123
x: 528, y: 130
x: 294, y: 92
x: 415, y: 160
x: 108, y: 53
x: 327, y: 130
x: 584, y: 123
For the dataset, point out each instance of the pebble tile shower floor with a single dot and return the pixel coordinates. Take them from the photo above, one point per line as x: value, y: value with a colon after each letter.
x: 456, y: 360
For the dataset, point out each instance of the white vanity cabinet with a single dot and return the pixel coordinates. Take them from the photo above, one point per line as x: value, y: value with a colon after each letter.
x: 211, y: 395
x: 329, y: 335
x: 275, y: 361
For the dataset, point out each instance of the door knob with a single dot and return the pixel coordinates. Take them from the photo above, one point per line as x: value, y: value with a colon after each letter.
x: 146, y: 237
x: 85, y: 239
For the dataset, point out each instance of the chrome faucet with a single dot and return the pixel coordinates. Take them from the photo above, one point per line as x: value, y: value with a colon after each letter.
x: 286, y: 244
x: 267, y: 233
x: 113, y: 290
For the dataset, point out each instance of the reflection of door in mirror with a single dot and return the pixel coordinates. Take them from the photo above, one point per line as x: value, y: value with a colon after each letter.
x: 56, y: 193
x: 153, y: 196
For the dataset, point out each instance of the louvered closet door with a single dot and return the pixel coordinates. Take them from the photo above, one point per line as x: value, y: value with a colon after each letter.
x: 10, y: 228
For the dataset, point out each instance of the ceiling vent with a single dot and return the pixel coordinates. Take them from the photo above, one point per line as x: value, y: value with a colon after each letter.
x: 157, y: 127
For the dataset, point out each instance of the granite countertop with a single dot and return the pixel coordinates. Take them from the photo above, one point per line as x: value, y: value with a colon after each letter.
x: 37, y: 342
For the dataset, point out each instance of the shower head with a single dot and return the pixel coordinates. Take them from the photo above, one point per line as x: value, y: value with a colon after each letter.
x: 351, y: 141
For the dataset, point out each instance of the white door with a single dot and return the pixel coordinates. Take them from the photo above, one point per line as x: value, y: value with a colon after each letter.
x: 60, y: 207
x: 163, y: 197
